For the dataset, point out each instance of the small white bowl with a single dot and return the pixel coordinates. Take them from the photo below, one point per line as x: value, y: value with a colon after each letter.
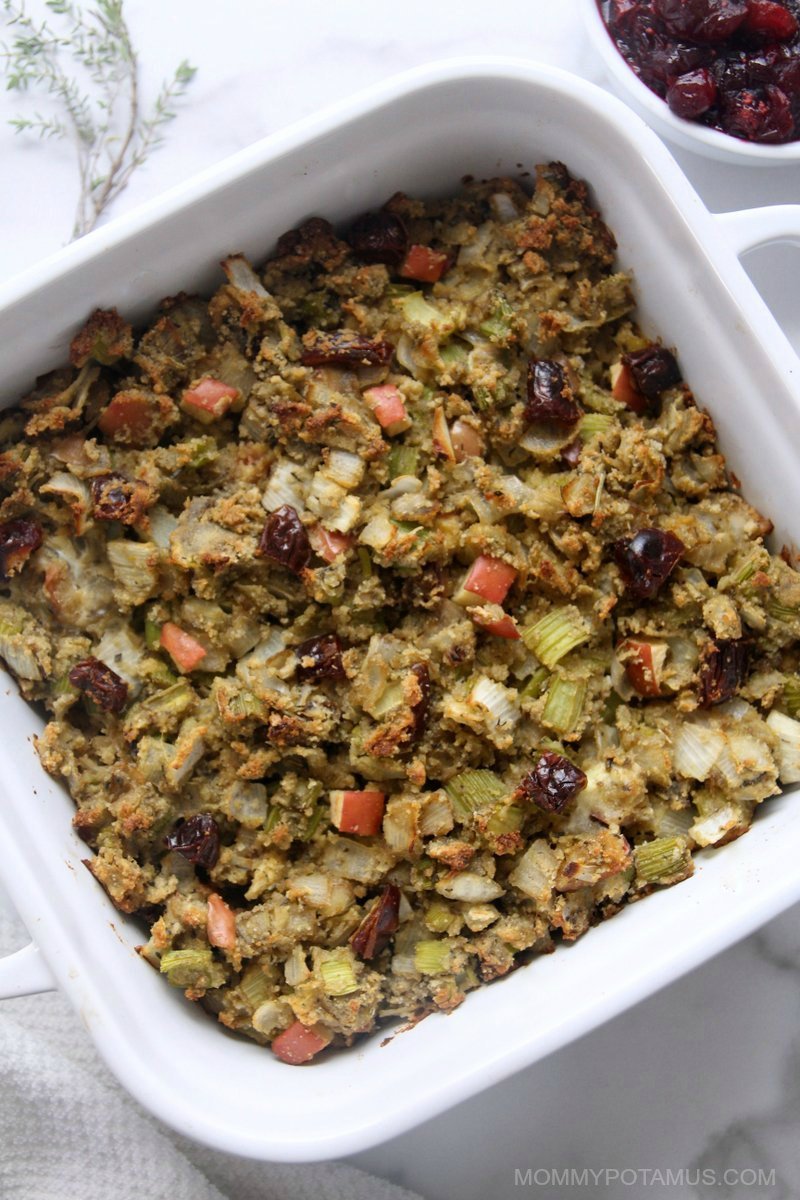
x: 655, y: 111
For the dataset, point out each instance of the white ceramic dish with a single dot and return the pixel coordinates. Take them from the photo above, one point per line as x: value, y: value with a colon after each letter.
x: 421, y: 132
x: 688, y: 134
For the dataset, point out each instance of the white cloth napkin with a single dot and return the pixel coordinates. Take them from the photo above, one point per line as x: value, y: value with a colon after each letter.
x: 68, y: 1131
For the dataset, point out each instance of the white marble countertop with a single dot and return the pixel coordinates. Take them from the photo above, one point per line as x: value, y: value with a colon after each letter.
x: 705, y: 1076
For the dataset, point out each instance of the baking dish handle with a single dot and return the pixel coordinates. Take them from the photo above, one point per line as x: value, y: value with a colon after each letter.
x: 751, y: 227
x: 24, y: 973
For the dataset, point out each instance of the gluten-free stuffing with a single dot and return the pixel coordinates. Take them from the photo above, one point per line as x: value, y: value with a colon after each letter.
x: 394, y: 612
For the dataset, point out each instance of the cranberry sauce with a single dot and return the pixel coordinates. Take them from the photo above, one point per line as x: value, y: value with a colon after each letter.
x: 732, y: 65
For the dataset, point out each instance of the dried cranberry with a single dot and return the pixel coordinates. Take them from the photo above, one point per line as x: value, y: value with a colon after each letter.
x: 100, y: 683
x: 724, y: 670
x: 344, y: 348
x: 420, y: 709
x: 197, y: 839
x: 18, y: 540
x: 621, y: 14
x: 646, y: 560
x: 550, y: 397
x: 379, y: 237
x: 325, y: 655
x: 284, y: 540
x: 382, y: 920
x: 654, y: 369
x: 758, y: 115
x: 552, y: 783
x: 769, y: 20
x: 702, y: 20
x: 115, y: 498
x: 692, y: 94
x: 571, y: 454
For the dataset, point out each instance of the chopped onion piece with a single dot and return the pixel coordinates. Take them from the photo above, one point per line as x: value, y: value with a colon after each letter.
x: 696, y: 750
x: 787, y: 752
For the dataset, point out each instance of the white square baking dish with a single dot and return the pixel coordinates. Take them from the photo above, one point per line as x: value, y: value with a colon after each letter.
x: 420, y: 132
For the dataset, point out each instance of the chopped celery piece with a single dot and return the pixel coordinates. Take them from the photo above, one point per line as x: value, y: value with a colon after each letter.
x: 403, y: 461
x: 338, y: 976
x: 564, y: 705
x: 365, y: 562
x: 430, y: 957
x: 152, y: 634
x: 505, y: 820
x: 184, y: 967
x: 747, y: 570
x: 400, y: 289
x: 313, y: 823
x: 314, y: 789
x: 498, y: 326
x: 203, y: 451
x: 244, y: 704
x: 62, y: 686
x: 593, y: 423
x: 536, y: 684
x: 791, y: 695
x: 556, y: 634
x: 485, y: 398
x: 781, y: 612
x: 664, y: 860
x: 472, y: 790
x: 392, y: 698
x: 453, y: 353
x: 416, y: 309
x: 256, y: 987
x: 610, y: 710
x: 274, y: 816
x: 439, y: 916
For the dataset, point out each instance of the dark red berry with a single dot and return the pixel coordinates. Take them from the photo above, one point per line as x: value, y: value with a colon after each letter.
x: 320, y: 658
x: 100, y: 683
x: 284, y: 540
x: 379, y: 237
x: 692, y: 94
x: 769, y: 20
x: 550, y: 397
x: 115, y: 498
x: 420, y: 709
x: 759, y: 115
x: 382, y: 920
x: 654, y: 369
x: 702, y: 20
x: 18, y: 540
x: 552, y: 783
x: 646, y: 560
x: 724, y: 670
x: 344, y: 348
x: 571, y: 454
x: 197, y: 839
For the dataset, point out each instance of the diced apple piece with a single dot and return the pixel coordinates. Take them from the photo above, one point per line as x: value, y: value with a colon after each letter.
x: 624, y: 389
x: 466, y: 441
x: 128, y: 417
x: 389, y: 407
x: 184, y: 650
x: 488, y: 579
x: 423, y: 263
x: 300, y: 1043
x: 327, y: 543
x: 643, y: 662
x: 209, y: 399
x: 358, y: 812
x: 442, y: 441
x: 504, y: 627
x: 220, y: 923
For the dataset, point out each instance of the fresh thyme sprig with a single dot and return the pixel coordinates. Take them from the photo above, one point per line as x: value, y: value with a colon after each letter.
x: 96, y: 101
